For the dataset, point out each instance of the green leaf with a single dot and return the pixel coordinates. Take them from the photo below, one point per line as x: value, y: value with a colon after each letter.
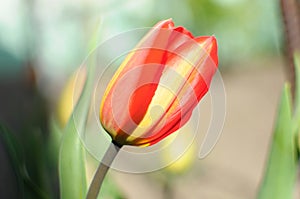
x: 280, y: 176
x: 297, y: 93
x: 54, y: 141
x: 72, y: 169
x: 15, y: 155
x: 72, y: 165
x: 27, y: 187
x: 297, y: 98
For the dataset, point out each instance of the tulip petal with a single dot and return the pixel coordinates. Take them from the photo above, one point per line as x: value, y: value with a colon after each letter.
x: 179, y: 36
x: 212, y: 49
x: 184, y: 31
x: 139, y: 70
x: 187, y: 80
x: 155, y: 90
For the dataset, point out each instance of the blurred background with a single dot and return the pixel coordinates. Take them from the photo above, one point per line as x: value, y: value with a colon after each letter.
x: 43, y: 42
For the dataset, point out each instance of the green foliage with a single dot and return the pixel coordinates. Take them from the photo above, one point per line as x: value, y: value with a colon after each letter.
x: 72, y: 169
x: 297, y: 93
x: 72, y: 165
x: 240, y: 27
x: 72, y: 160
x: 297, y: 98
x: 27, y: 187
x: 282, y: 167
x: 281, y: 170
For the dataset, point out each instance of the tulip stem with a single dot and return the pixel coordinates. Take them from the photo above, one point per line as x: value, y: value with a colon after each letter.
x: 102, y: 169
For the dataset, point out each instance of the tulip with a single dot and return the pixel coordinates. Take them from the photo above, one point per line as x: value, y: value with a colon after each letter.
x: 154, y: 91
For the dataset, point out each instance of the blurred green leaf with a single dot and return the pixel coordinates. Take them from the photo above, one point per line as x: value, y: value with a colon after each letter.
x: 280, y: 177
x: 297, y: 93
x: 15, y: 155
x: 72, y: 165
x: 27, y: 187
x: 72, y: 169
x: 55, y: 138
x: 297, y: 97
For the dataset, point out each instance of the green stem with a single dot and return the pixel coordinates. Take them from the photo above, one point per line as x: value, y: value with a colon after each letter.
x: 102, y: 169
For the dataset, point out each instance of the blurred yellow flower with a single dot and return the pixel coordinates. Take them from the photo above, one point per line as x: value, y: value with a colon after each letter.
x: 182, y: 152
x: 70, y: 95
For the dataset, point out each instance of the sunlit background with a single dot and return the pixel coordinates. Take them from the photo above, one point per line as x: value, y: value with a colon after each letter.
x: 43, y: 42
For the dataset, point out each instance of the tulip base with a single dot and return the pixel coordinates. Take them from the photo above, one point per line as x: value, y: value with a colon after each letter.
x: 102, y: 169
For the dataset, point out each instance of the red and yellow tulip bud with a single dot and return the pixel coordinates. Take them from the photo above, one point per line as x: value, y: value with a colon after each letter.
x: 156, y: 88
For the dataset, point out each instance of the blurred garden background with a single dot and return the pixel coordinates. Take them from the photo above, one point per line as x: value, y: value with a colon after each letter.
x: 43, y: 42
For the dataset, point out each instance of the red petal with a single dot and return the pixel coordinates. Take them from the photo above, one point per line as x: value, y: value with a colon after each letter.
x: 184, y: 31
x: 214, y: 46
x: 144, y: 66
x: 165, y: 24
x: 134, y: 85
x: 192, y: 91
